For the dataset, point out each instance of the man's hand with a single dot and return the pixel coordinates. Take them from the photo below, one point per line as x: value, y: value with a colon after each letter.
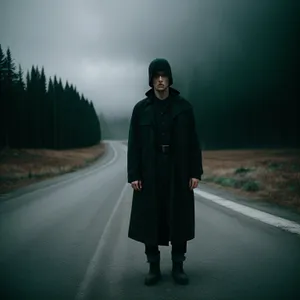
x: 136, y: 185
x: 193, y: 183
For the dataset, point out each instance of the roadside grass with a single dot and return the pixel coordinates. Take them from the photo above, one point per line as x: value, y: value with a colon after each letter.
x: 20, y: 167
x: 272, y: 175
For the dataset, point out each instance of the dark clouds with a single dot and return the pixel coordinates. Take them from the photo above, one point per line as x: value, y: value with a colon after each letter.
x: 104, y: 47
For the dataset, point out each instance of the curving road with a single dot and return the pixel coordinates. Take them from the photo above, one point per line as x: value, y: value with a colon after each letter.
x: 66, y: 238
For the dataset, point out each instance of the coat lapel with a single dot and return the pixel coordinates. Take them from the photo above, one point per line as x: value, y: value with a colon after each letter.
x: 148, y: 114
x: 176, y: 106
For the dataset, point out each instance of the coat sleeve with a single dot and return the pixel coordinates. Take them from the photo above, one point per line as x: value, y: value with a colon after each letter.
x: 133, y: 150
x: 196, y: 167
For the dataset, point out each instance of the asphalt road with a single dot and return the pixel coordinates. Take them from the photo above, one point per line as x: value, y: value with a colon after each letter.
x: 66, y: 238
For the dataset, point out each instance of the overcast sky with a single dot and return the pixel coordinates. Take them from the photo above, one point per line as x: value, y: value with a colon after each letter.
x: 104, y: 47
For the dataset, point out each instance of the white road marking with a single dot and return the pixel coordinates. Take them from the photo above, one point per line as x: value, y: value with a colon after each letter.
x: 92, y: 267
x: 261, y: 216
x: 252, y: 213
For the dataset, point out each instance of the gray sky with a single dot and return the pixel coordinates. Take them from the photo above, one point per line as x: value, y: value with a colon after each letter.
x: 104, y: 47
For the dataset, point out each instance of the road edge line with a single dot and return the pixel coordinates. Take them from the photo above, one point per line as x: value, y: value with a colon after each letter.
x: 91, y: 269
x: 253, y: 213
x: 75, y: 176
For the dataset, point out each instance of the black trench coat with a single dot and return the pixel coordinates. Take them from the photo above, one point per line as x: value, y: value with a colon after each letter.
x: 186, y: 159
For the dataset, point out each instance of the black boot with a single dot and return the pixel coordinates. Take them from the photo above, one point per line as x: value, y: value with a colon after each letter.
x: 178, y: 273
x: 154, y: 274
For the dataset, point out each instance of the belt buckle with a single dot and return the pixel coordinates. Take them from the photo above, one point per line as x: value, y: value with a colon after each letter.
x: 163, y: 147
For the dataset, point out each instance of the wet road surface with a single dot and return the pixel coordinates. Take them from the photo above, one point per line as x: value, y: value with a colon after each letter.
x: 66, y: 238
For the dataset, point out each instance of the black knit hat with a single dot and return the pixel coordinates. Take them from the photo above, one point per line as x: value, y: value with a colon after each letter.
x: 160, y: 65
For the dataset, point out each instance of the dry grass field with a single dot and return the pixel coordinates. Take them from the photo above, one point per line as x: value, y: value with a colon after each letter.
x: 272, y: 175
x: 20, y: 167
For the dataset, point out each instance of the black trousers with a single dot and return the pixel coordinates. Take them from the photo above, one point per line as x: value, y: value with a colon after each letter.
x: 178, y: 252
x: 163, y: 184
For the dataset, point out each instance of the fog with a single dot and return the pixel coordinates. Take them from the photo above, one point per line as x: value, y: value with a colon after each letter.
x: 105, y: 47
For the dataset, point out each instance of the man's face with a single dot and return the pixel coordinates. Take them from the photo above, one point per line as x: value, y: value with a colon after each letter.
x: 160, y: 81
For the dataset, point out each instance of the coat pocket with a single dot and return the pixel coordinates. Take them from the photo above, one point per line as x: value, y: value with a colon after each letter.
x: 145, y: 122
x: 145, y: 130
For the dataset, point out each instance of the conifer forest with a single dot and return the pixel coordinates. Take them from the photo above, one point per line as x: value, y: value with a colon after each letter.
x: 40, y: 112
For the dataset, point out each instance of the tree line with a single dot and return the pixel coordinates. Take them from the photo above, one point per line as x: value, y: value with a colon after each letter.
x: 40, y: 113
x: 241, y: 109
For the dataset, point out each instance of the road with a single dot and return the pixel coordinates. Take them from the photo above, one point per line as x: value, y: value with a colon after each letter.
x: 66, y: 238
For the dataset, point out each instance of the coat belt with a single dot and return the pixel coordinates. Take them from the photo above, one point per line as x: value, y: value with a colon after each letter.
x: 165, y: 149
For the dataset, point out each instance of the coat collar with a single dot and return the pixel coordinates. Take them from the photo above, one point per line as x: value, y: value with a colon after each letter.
x: 177, y: 105
x: 150, y: 93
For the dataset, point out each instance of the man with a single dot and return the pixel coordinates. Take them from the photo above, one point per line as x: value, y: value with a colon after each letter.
x: 164, y: 165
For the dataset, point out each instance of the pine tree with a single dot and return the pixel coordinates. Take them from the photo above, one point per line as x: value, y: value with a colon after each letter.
x: 21, y: 130
x: 29, y: 114
x: 50, y: 113
x: 42, y: 105
x: 10, y: 79
x: 2, y: 64
x: 2, y: 98
x: 56, y: 113
x: 37, y: 108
